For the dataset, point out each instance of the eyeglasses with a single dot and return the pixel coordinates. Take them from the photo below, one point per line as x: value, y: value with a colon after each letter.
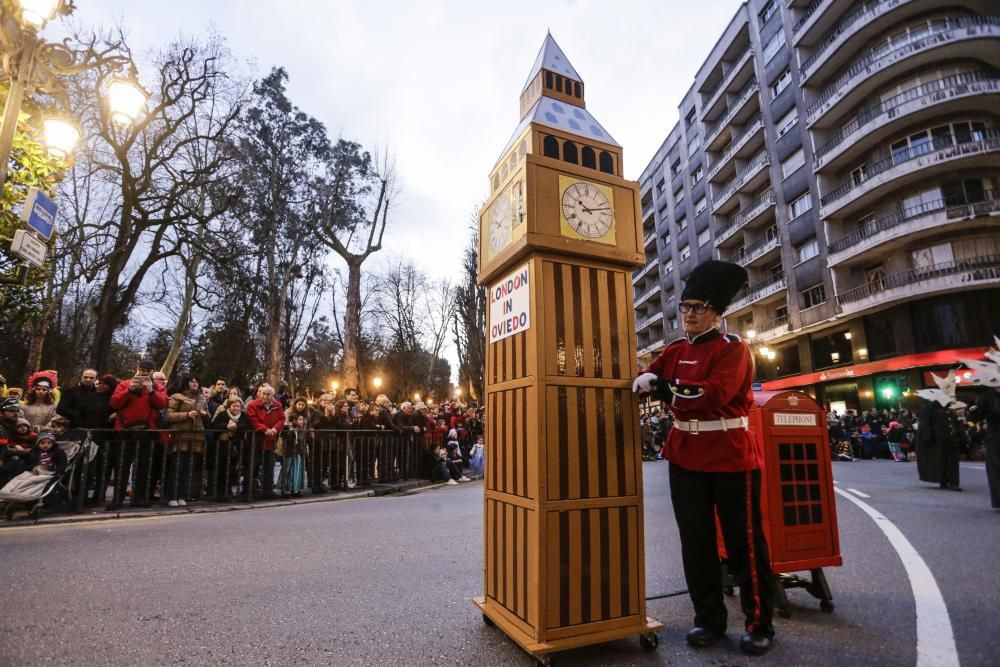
x: 697, y: 308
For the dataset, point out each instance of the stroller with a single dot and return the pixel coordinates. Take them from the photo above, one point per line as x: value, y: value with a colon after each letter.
x: 28, y: 491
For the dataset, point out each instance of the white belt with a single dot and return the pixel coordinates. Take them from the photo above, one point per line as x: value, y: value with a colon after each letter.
x: 696, y: 426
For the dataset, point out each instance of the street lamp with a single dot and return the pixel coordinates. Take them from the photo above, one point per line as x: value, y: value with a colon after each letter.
x: 377, y: 382
x: 37, y: 13
x: 416, y: 398
x: 61, y: 136
x: 34, y: 65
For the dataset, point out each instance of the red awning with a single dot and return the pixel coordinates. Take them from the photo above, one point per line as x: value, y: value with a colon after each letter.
x: 939, y: 358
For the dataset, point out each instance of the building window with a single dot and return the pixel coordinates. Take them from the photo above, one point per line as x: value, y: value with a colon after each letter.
x: 768, y: 11
x: 589, y: 157
x: 682, y: 224
x: 800, y: 206
x: 559, y: 81
x: 807, y: 250
x: 771, y: 48
x: 679, y: 198
x: 693, y: 144
x: 813, y: 296
x: 675, y: 167
x: 787, y: 122
x: 781, y: 82
x: 607, y: 163
x: 698, y: 174
x: 550, y: 147
x: 668, y: 266
x: 792, y: 163
x: 577, y: 91
x: 548, y: 80
x: 689, y: 119
x: 685, y: 253
x: 704, y: 237
x: 672, y: 323
x: 700, y: 206
x: 569, y: 153
x: 660, y: 187
x: 666, y: 242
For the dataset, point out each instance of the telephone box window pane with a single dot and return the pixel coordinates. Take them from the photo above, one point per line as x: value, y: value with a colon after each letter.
x: 800, y: 471
x: 817, y: 512
x: 813, y: 472
x: 790, y: 516
x: 811, y: 451
x: 786, y: 472
x: 802, y: 492
x: 798, y: 451
x: 784, y: 451
x: 814, y: 492
x: 787, y: 493
x: 803, y: 514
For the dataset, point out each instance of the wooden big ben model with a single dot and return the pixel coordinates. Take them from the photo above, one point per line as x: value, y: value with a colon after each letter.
x: 559, y: 236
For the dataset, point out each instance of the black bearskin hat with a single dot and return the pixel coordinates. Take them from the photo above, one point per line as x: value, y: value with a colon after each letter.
x: 716, y: 283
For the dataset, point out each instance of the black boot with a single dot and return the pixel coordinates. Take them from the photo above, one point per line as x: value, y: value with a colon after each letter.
x: 700, y: 637
x: 755, y: 643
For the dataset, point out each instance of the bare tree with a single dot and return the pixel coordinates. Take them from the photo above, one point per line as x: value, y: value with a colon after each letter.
x: 359, y: 192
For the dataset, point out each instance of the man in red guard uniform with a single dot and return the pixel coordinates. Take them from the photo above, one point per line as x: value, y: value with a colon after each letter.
x: 715, y: 463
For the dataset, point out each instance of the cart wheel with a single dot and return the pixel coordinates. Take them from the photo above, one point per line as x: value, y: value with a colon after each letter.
x: 8, y: 512
x: 543, y: 660
x: 488, y: 621
x: 33, y: 514
x: 784, y: 612
x: 649, y: 642
x: 826, y: 605
x: 730, y: 591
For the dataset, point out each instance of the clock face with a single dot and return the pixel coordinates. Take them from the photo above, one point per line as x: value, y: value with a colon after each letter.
x: 587, y: 210
x: 500, y: 224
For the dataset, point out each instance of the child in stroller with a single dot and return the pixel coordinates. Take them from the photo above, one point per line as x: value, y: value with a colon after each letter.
x: 45, y: 466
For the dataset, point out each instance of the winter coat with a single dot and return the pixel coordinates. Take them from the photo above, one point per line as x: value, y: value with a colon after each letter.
x: 95, y: 411
x: 221, y: 424
x: 142, y: 409
x: 263, y: 418
x: 38, y: 414
x: 191, y: 437
x: 57, y: 457
x: 71, y: 403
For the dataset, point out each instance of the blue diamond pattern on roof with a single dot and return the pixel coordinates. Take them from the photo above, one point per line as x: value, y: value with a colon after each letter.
x: 552, y: 58
x: 575, y: 125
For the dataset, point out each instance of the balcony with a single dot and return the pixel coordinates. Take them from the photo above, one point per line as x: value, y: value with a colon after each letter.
x: 927, y: 218
x: 807, y: 15
x: 774, y: 328
x: 738, y: 141
x: 754, y: 293
x: 938, y: 152
x: 727, y: 77
x: 647, y: 295
x: 648, y: 239
x: 944, y: 277
x: 942, y: 32
x: 837, y: 35
x: 903, y: 105
x: 652, y: 319
x: 744, y: 95
x: 761, y: 203
x: 757, y: 250
x: 646, y: 270
x: 744, y: 176
x: 654, y: 346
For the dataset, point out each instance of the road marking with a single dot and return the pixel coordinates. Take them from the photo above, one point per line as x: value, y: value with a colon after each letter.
x: 836, y: 482
x: 935, y: 640
x: 970, y: 466
x: 858, y: 493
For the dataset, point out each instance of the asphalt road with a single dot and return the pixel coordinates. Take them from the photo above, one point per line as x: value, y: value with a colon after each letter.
x: 388, y: 581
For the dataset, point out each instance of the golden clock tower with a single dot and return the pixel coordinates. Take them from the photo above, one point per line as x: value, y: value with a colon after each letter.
x: 559, y: 236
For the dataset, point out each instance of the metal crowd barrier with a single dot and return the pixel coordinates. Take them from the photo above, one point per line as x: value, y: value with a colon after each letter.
x: 142, y: 468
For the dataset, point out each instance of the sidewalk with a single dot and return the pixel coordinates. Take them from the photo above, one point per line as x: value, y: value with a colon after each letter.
x: 99, y: 514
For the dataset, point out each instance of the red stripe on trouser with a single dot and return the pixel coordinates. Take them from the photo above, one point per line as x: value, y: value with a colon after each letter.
x: 751, y: 556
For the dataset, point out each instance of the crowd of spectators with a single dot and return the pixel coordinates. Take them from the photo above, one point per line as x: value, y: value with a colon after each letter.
x: 891, y: 433
x: 195, y: 422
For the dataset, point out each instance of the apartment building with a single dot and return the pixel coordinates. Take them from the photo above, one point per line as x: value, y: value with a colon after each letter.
x: 848, y: 155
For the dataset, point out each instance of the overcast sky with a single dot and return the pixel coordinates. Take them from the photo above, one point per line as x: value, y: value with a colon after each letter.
x: 438, y: 81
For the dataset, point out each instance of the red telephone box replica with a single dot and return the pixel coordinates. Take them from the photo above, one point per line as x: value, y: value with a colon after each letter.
x: 798, y: 508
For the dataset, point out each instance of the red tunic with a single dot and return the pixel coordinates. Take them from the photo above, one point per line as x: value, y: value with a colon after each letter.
x: 708, y: 379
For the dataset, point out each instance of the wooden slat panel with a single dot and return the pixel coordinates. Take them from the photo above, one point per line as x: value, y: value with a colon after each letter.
x: 615, y: 563
x: 633, y: 553
x: 553, y: 581
x: 602, y: 326
x: 597, y: 574
x: 572, y: 436
x: 575, y: 312
x: 575, y: 567
x: 508, y: 566
x: 619, y: 338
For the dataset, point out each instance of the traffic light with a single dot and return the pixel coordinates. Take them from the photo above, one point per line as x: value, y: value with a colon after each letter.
x: 890, y: 389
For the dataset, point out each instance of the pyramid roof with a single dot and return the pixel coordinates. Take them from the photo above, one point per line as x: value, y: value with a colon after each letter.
x: 552, y: 58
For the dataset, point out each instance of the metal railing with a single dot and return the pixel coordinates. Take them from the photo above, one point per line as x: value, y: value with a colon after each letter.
x: 975, y: 269
x: 727, y: 74
x: 753, y: 124
x: 806, y: 15
x: 145, y: 468
x: 743, y: 175
x: 758, y: 249
x: 839, y: 28
x: 642, y: 324
x: 753, y: 209
x: 907, y: 43
x: 989, y: 141
x: 751, y: 293
x: 964, y: 82
x: 742, y: 95
x: 955, y: 208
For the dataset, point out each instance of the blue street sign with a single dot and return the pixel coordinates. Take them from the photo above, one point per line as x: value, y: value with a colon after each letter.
x: 756, y: 386
x: 39, y: 213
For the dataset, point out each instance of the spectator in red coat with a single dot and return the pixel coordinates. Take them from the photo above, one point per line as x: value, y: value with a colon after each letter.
x: 137, y: 404
x: 267, y: 418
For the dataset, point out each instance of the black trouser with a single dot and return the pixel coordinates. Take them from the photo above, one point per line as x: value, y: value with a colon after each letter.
x: 135, y: 448
x: 697, y: 496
